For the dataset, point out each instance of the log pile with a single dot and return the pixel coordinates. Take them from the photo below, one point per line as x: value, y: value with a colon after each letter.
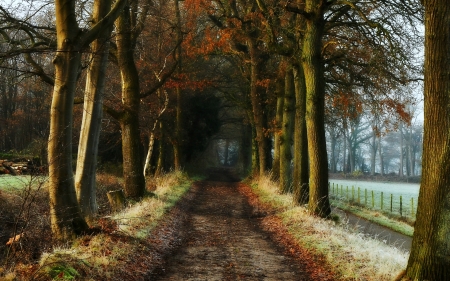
x: 19, y: 167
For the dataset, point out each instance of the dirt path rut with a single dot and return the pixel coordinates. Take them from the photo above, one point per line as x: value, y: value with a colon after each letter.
x: 224, y: 242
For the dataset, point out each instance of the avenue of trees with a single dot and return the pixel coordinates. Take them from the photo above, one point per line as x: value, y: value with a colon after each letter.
x: 298, y: 88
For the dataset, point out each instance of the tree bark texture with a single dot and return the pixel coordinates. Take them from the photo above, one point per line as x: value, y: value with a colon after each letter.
x: 66, y: 219
x: 134, y: 186
x: 92, y: 117
x: 315, y: 109
x: 430, y: 252
x: 277, y: 131
x: 301, y: 165
x: 177, y: 142
x: 258, y: 114
x: 287, y: 133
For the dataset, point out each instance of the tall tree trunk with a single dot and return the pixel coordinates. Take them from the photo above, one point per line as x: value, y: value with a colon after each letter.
x: 258, y: 114
x: 301, y: 164
x: 278, y: 128
x: 380, y: 151
x: 344, y: 153
x: 151, y: 143
x: 319, y: 203
x: 351, y: 150
x: 287, y: 133
x: 92, y: 118
x: 373, y: 153
x: 177, y: 142
x: 129, y: 119
x: 430, y: 250
x: 66, y: 218
x: 333, y: 141
x: 161, y: 152
x: 411, y: 153
x: 400, y: 172
x: 255, y: 154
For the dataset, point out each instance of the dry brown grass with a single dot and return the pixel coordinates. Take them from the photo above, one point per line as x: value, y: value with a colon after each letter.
x: 24, y: 213
x: 122, y: 249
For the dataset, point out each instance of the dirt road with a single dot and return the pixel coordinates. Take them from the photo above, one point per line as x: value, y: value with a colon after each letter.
x: 224, y: 241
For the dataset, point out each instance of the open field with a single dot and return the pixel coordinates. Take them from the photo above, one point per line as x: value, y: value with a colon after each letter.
x: 342, y: 190
x: 10, y: 183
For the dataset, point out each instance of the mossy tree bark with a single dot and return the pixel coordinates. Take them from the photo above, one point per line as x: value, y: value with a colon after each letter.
x: 277, y: 129
x: 301, y: 166
x: 430, y: 252
x: 286, y: 140
x: 315, y: 107
x: 257, y: 106
x: 129, y: 117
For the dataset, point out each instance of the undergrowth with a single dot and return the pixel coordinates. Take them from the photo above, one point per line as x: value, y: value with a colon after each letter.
x: 110, y: 252
x: 351, y: 255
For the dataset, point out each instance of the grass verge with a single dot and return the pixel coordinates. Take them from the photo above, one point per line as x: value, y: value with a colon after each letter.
x: 395, y: 223
x: 351, y: 255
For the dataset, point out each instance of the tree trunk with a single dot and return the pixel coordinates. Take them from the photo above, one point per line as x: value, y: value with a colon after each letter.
x: 333, y: 141
x: 351, y: 150
x: 315, y: 109
x: 277, y: 131
x: 380, y: 151
x: 287, y: 133
x: 92, y: 118
x: 411, y: 153
x: 301, y: 165
x: 148, y: 158
x: 134, y: 186
x: 430, y: 251
x: 255, y: 154
x: 258, y: 114
x: 400, y: 172
x: 66, y: 218
x: 344, y: 154
x: 177, y: 142
x: 373, y: 153
x: 161, y: 152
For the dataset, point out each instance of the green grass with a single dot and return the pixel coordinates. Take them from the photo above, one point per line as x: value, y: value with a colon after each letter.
x: 18, y: 183
x: 347, y: 191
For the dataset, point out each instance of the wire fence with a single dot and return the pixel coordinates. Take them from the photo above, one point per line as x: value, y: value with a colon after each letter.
x: 394, y: 203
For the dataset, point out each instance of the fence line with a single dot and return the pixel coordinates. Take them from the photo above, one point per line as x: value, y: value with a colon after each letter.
x: 376, y: 202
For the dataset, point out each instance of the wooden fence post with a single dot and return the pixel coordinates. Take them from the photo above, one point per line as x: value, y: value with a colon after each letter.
x: 401, y: 211
x: 391, y: 202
